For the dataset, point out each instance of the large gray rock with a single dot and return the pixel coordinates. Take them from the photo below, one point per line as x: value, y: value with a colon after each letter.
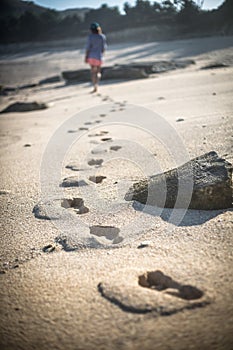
x: 123, y: 72
x: 81, y: 75
x: 161, y: 66
x: 24, y: 107
x: 210, y: 176
x: 131, y: 71
x: 108, y: 73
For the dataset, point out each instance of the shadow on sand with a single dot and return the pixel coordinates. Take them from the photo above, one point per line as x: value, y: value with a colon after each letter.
x: 180, y: 217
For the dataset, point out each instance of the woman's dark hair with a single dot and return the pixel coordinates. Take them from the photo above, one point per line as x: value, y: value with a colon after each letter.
x: 95, y: 28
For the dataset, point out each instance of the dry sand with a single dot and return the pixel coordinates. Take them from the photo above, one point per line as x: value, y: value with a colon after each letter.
x: 53, y: 298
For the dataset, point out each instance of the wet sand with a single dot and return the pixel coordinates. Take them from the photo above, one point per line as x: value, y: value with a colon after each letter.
x: 66, y: 283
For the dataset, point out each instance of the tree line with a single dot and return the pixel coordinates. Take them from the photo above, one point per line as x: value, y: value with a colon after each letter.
x: 186, y: 15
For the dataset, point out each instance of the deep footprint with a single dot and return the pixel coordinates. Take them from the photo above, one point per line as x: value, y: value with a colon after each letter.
x: 97, y: 179
x: 73, y: 181
x: 95, y: 162
x: 76, y: 203
x: 109, y: 232
x: 160, y: 282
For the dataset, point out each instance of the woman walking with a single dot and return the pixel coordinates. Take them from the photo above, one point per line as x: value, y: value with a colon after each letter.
x: 96, y: 45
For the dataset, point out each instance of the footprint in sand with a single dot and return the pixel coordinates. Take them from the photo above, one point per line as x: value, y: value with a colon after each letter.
x: 74, y: 167
x: 95, y: 162
x: 115, y: 148
x: 76, y: 203
x: 72, y: 131
x: 94, y: 135
x: 152, y: 291
x: 83, y: 128
x: 97, y: 179
x: 88, y: 123
x: 73, y: 181
x: 106, y: 98
x: 98, y: 151
x: 159, y: 281
x: 109, y: 232
x: 101, y: 133
x: 106, y: 139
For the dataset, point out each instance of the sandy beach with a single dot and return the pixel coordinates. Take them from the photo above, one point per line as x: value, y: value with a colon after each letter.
x: 63, y: 287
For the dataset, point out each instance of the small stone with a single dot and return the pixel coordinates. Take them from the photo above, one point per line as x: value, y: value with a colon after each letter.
x: 48, y: 248
x: 4, y: 192
x: 144, y: 244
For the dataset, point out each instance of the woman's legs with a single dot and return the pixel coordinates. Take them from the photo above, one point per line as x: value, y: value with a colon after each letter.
x: 95, y: 76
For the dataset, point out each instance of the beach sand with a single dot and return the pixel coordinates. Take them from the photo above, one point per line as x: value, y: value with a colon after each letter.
x: 59, y: 288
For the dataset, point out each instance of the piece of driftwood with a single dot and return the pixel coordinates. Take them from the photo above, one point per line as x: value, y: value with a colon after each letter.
x: 209, y: 175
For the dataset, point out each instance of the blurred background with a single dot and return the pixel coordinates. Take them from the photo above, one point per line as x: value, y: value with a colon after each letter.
x: 140, y: 20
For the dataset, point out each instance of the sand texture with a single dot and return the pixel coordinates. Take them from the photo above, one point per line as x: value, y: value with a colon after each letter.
x: 81, y: 268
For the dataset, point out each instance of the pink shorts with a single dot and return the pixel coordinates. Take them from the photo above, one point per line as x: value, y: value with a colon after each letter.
x: 94, y: 62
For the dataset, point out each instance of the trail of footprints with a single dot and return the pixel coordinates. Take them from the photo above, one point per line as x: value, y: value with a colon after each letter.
x: 110, y: 233
x: 153, y: 280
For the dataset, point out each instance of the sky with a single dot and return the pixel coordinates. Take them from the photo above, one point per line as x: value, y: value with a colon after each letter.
x: 65, y: 4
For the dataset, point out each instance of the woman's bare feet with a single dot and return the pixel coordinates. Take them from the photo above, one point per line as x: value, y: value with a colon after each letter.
x: 95, y: 89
